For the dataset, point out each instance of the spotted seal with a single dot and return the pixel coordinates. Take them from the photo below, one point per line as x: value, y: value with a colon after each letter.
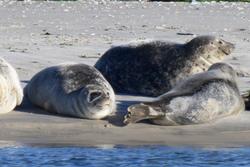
x: 72, y: 89
x: 200, y: 98
x: 11, y: 91
x: 153, y: 68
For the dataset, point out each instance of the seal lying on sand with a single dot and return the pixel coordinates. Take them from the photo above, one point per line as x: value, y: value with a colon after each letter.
x: 200, y: 98
x: 76, y: 90
x: 153, y: 68
x: 11, y: 91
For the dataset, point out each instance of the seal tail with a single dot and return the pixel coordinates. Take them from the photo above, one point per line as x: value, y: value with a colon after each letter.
x: 140, y: 112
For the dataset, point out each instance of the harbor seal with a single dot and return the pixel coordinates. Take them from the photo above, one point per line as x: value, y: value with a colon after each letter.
x: 200, y: 98
x: 76, y: 90
x: 11, y: 91
x: 153, y: 68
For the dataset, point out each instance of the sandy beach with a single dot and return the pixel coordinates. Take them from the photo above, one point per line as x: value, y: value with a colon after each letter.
x: 35, y: 35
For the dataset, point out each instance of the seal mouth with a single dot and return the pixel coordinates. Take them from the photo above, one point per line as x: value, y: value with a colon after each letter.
x: 94, y: 96
x: 225, y: 51
x: 104, y: 104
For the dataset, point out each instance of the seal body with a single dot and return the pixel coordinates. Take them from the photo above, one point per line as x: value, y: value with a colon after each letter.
x: 200, y: 98
x: 153, y: 68
x: 11, y: 91
x: 76, y: 90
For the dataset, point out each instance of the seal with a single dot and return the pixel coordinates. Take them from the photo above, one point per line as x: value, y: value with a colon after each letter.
x: 200, y: 98
x: 11, y: 92
x: 152, y: 68
x: 72, y: 89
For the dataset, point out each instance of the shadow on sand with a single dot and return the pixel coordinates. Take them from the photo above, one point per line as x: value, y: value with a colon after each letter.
x: 116, y: 119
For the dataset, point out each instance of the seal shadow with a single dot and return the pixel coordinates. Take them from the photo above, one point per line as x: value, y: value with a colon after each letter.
x: 115, y: 119
x: 28, y: 107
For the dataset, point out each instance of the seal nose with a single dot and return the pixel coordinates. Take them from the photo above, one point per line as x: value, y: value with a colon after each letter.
x: 227, y: 47
x: 93, y: 96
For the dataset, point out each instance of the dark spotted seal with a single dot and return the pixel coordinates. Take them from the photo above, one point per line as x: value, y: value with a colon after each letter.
x: 11, y: 92
x: 200, y: 98
x: 153, y: 68
x: 76, y: 90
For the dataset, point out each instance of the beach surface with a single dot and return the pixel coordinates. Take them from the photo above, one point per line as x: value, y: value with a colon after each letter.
x: 36, y: 35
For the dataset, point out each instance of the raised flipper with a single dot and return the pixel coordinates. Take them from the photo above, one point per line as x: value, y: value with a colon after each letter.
x: 140, y: 112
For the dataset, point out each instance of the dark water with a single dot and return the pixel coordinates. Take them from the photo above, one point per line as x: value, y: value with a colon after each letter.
x: 120, y: 156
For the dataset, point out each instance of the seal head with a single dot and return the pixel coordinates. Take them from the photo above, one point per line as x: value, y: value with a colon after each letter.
x: 98, y: 102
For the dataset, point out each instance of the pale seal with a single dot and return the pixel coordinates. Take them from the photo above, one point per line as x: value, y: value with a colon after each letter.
x: 201, y: 98
x: 153, y: 68
x: 76, y: 90
x: 11, y: 92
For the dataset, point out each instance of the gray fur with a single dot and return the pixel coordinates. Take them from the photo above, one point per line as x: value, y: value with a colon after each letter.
x: 76, y: 90
x: 153, y: 68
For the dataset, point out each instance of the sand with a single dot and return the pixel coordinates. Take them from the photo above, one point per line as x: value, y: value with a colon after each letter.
x: 35, y: 35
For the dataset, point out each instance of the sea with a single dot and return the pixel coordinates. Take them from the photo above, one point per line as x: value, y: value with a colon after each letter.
x: 122, y: 156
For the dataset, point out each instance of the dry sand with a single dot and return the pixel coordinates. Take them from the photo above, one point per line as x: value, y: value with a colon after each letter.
x: 35, y: 35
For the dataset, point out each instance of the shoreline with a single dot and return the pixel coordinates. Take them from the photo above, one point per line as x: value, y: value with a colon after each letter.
x: 43, y: 129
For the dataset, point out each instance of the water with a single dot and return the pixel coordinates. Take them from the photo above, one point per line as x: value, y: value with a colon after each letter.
x: 120, y: 156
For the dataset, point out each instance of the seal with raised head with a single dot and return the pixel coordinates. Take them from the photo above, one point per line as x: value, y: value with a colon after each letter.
x: 76, y: 90
x: 153, y: 68
x: 200, y: 98
x: 11, y: 91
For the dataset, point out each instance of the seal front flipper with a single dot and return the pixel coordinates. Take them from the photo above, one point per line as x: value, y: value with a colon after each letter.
x: 142, y: 111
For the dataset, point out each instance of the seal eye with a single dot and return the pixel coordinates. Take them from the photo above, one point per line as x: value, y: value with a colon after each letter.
x: 94, y: 96
x: 220, y: 42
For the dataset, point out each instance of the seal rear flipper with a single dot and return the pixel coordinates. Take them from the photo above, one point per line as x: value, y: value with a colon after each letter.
x: 140, y: 112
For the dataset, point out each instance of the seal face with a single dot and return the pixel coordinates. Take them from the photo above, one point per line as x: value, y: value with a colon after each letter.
x: 200, y: 98
x: 76, y: 90
x: 153, y: 68
x: 11, y: 92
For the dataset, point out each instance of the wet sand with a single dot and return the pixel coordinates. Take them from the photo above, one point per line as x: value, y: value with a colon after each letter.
x: 35, y: 35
